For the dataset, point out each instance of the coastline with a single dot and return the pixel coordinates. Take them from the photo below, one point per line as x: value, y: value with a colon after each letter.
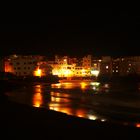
x: 15, y: 117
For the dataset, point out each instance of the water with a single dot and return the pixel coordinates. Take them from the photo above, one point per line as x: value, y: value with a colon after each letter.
x: 114, y: 102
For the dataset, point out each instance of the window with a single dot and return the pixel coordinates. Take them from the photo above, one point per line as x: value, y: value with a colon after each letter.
x: 24, y: 63
x: 25, y: 68
x: 18, y: 68
x: 28, y: 68
x: 18, y: 63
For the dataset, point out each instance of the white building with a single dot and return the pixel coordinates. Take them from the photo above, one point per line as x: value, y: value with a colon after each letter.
x: 21, y: 65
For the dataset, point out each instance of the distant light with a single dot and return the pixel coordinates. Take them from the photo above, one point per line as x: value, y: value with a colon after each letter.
x: 95, y: 83
x: 138, y: 125
x: 106, y: 67
x: 103, y: 120
x: 100, y: 60
x: 92, y: 117
x: 106, y: 85
x: 83, y: 85
x: 95, y: 72
x: 15, y: 56
x: 38, y: 72
x: 116, y: 70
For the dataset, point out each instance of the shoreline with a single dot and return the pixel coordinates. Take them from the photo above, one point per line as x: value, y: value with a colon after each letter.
x: 15, y: 117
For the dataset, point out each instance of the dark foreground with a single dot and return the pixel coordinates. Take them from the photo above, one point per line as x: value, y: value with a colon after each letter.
x: 21, y: 121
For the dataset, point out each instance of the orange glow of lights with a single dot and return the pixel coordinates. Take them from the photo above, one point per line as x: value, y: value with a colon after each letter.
x: 59, y: 109
x: 38, y: 72
x: 55, y: 99
x: 67, y: 73
x: 37, y: 89
x: 83, y: 85
x: 80, y: 113
x: 138, y: 125
x: 37, y: 100
x: 56, y: 85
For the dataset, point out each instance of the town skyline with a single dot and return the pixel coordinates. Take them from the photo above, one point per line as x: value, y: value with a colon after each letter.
x: 65, y: 66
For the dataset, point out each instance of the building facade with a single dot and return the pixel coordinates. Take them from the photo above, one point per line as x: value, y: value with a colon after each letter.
x: 87, y: 62
x: 21, y: 65
x: 106, y: 65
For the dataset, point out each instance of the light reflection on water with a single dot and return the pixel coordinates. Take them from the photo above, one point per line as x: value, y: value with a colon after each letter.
x: 64, y: 102
x: 37, y: 97
x: 77, y: 98
x: 37, y: 100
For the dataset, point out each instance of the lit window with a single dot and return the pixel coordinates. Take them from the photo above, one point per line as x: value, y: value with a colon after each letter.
x: 116, y: 70
x: 106, y: 67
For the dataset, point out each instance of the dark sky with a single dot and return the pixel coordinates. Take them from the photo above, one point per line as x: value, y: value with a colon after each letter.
x: 73, y: 31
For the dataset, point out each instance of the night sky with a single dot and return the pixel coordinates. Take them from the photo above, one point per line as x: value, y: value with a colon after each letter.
x: 73, y: 31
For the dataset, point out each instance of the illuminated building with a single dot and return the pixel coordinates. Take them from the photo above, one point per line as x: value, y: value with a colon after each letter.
x: 116, y: 70
x: 38, y: 72
x: 42, y: 69
x: 126, y: 65
x: 87, y: 61
x: 71, y: 67
x: 106, y: 65
x: 21, y: 65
